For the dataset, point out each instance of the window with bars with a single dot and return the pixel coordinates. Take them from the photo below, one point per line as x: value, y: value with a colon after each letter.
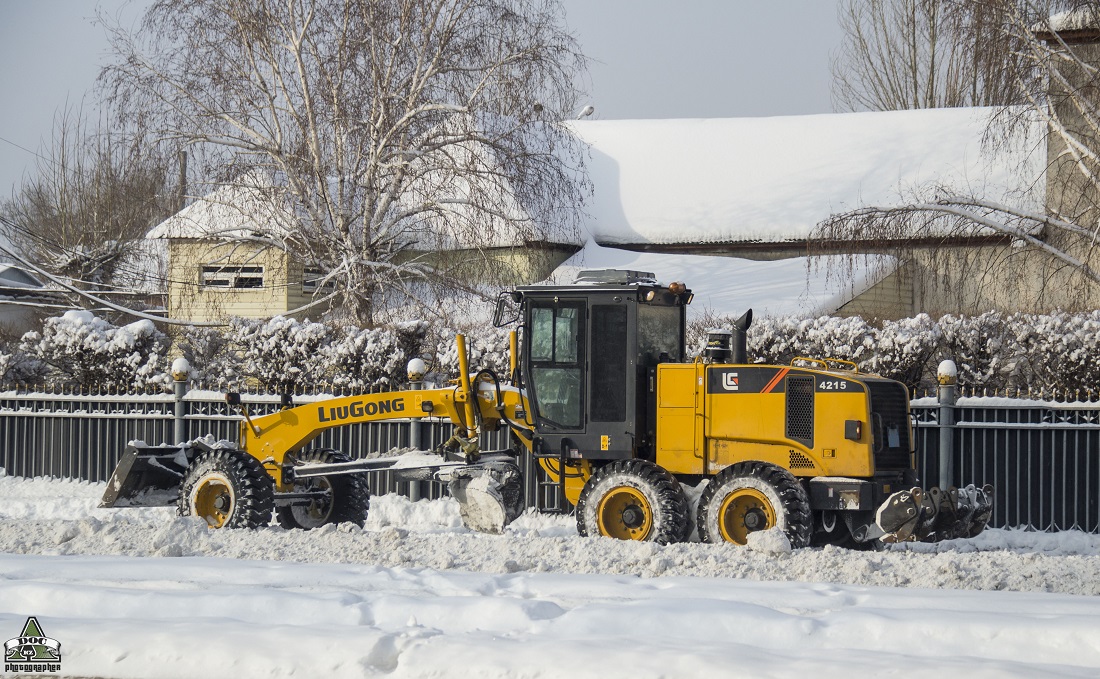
x: 232, y: 277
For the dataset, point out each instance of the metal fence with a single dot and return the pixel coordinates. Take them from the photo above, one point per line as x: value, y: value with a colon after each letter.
x: 83, y: 436
x: 1043, y: 458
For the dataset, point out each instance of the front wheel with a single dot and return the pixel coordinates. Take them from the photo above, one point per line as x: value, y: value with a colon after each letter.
x: 633, y: 500
x: 754, y: 496
x: 338, y: 498
x: 227, y: 488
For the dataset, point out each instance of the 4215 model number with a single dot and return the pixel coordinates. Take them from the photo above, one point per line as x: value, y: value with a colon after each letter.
x: 832, y: 385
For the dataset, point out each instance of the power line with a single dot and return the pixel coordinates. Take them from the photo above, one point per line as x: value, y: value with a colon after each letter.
x: 24, y: 148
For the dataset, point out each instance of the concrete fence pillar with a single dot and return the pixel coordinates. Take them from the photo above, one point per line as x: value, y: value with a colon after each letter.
x: 416, y: 370
x: 181, y: 375
x: 947, y: 374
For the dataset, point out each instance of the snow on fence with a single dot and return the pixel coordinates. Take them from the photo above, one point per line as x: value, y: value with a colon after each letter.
x: 1043, y: 457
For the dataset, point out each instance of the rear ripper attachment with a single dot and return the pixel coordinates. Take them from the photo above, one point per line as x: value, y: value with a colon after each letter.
x: 933, y: 515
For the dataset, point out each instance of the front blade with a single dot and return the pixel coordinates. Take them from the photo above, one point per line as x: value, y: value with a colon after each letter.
x: 146, y: 476
x: 489, y: 498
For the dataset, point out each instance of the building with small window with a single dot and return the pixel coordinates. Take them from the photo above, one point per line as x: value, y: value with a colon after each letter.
x: 218, y: 266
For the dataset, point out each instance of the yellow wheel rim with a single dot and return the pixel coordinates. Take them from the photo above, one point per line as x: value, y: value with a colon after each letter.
x: 213, y: 500
x: 742, y: 512
x: 624, y: 513
x: 317, y: 511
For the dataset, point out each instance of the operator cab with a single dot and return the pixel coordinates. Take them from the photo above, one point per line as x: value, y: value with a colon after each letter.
x: 589, y: 351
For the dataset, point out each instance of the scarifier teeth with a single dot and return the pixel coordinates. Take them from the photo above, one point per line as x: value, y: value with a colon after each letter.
x: 899, y: 516
x: 981, y: 500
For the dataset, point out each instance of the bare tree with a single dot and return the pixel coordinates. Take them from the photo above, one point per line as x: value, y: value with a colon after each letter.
x: 381, y: 131
x: 907, y: 54
x: 1046, y: 252
x: 84, y: 212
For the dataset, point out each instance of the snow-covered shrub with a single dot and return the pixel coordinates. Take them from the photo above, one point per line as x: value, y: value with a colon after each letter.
x: 486, y: 347
x: 850, y: 339
x: 1060, y: 351
x: 780, y: 339
x: 15, y: 366
x: 902, y: 349
x: 775, y: 339
x: 210, y: 354
x: 84, y: 350
x: 983, y: 348
x: 281, y: 353
x: 372, y: 359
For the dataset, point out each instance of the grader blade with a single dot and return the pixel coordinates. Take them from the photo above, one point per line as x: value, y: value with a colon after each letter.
x: 489, y: 497
x: 146, y: 476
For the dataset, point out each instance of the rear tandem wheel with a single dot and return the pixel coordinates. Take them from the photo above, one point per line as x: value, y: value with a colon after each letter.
x: 347, y: 496
x: 753, y: 496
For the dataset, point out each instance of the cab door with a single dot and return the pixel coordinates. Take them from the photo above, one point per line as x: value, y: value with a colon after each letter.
x: 555, y: 363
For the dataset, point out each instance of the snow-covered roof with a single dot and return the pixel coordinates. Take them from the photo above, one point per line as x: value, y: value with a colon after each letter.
x: 252, y: 206
x: 773, y: 179
x: 12, y: 276
x: 1077, y: 19
x: 229, y: 211
x: 730, y: 285
x: 736, y: 180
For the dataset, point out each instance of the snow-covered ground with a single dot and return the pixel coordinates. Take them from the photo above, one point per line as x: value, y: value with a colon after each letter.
x: 141, y: 593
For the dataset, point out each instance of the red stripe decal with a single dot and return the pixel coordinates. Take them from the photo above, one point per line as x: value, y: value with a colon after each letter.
x: 775, y: 380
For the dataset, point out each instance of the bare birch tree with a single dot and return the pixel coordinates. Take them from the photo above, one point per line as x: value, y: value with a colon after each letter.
x: 83, y: 213
x: 1058, y: 81
x: 907, y: 54
x: 385, y: 129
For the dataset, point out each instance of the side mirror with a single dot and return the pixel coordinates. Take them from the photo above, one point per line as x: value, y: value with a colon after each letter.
x: 507, y: 311
x: 286, y: 401
x: 233, y: 398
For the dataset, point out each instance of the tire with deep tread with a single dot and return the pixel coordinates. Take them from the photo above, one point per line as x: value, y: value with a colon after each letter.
x: 767, y: 494
x: 229, y: 488
x: 350, y: 499
x: 646, y: 493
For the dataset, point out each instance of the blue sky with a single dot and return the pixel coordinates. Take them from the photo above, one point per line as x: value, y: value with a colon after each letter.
x: 651, y: 59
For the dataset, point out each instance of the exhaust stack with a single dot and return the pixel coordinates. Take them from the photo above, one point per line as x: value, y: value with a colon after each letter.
x: 741, y: 338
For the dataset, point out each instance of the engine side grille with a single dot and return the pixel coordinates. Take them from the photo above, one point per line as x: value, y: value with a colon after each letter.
x: 800, y: 409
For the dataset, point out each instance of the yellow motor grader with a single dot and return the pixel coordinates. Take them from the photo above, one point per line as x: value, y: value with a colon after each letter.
x: 602, y: 395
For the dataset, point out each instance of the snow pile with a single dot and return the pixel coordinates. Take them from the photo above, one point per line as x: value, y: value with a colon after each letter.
x: 126, y: 618
x: 51, y: 517
x: 142, y: 593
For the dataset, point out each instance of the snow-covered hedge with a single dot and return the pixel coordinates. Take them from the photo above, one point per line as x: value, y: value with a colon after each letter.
x: 1050, y: 352
x: 80, y: 349
x: 284, y: 354
x: 1043, y: 352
